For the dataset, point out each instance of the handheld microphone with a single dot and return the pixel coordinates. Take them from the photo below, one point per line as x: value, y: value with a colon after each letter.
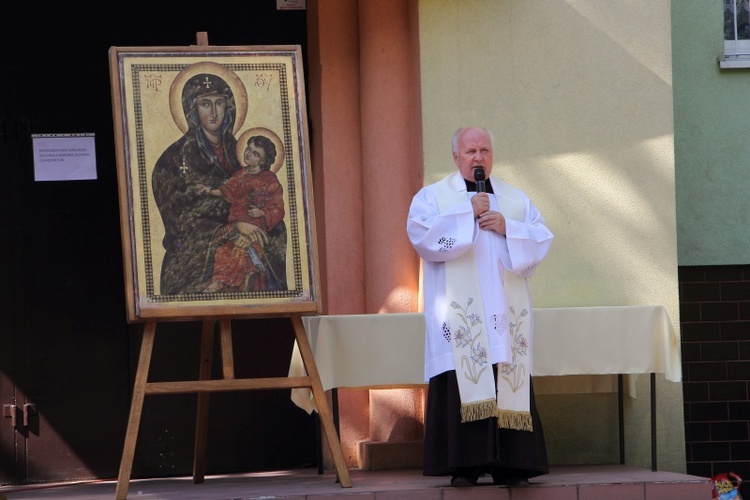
x: 479, y: 177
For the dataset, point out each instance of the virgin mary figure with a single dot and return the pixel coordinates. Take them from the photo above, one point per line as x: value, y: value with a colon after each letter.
x: 204, y: 155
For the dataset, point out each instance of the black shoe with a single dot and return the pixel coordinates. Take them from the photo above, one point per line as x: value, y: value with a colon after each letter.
x: 463, y: 481
x: 516, y: 482
x: 465, y: 476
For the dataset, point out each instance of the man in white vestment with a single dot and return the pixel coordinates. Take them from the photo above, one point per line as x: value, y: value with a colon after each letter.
x: 480, y: 239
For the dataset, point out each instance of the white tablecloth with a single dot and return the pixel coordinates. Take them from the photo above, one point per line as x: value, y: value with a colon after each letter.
x: 387, y: 350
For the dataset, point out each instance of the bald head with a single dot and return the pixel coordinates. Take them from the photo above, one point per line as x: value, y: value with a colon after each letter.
x: 472, y: 149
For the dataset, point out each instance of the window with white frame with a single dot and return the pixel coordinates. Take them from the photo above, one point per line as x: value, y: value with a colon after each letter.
x: 736, y: 34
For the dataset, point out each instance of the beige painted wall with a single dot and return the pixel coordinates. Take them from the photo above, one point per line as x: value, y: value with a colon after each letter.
x: 579, y: 96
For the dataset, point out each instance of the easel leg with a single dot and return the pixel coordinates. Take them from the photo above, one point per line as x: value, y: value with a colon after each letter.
x: 326, y: 418
x: 227, y: 358
x: 201, y: 421
x: 136, y: 407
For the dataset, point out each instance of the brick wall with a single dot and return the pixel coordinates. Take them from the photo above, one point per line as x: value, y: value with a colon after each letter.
x: 715, y: 326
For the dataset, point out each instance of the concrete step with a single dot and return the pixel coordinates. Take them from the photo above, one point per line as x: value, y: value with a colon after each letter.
x: 596, y: 482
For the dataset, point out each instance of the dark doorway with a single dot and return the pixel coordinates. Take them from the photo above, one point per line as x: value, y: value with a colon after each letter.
x: 67, y: 354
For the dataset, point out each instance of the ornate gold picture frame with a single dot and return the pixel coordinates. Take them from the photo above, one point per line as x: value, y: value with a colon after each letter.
x: 216, y: 204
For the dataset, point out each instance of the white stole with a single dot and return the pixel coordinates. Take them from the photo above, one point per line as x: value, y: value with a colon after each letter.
x: 466, y: 323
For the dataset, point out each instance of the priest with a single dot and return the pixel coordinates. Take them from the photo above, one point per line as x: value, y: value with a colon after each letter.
x: 480, y: 240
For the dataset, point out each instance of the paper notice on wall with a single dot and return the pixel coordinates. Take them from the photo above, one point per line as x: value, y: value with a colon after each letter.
x: 64, y: 157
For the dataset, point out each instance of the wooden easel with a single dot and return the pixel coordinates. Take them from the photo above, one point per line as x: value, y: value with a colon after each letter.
x: 205, y: 385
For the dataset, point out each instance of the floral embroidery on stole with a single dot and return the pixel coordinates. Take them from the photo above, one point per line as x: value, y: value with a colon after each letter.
x: 481, y: 398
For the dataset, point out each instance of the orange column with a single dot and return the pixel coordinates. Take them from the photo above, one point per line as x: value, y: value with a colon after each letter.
x: 391, y: 161
x: 390, y: 122
x: 333, y: 68
x: 333, y: 76
x: 363, y: 66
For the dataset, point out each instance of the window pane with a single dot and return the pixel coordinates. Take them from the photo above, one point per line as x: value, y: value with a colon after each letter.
x: 736, y: 19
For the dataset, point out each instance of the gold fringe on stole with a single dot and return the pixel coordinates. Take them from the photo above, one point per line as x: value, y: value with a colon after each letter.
x: 478, y: 410
x: 518, y: 420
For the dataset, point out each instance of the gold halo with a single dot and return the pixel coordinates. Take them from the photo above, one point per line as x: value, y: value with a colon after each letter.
x: 229, y: 76
x: 242, y: 144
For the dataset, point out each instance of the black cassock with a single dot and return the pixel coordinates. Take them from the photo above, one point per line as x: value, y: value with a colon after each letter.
x: 450, y: 444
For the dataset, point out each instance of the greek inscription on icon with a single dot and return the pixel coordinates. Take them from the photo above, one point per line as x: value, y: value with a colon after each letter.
x: 153, y: 82
x: 263, y: 80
